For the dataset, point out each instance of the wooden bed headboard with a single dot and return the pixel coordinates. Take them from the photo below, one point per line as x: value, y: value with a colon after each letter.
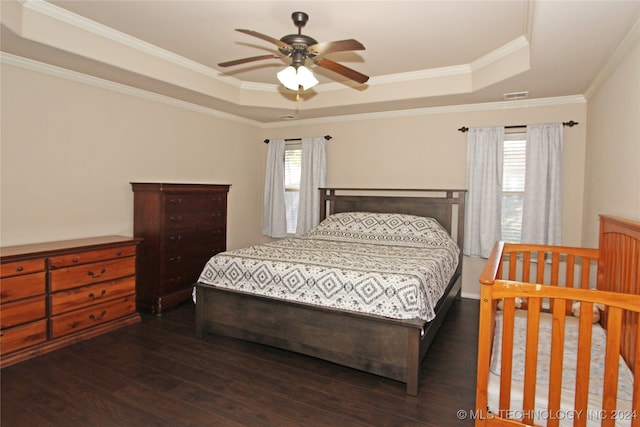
x: 447, y: 206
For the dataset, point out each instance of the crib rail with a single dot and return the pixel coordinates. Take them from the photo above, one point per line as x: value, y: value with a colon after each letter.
x: 552, y: 278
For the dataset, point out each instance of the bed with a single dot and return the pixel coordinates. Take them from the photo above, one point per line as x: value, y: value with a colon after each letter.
x: 559, y: 333
x: 363, y: 334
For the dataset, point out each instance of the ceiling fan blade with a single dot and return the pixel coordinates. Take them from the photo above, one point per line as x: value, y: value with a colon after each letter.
x: 245, y: 60
x: 270, y: 39
x: 341, y: 69
x: 335, y: 46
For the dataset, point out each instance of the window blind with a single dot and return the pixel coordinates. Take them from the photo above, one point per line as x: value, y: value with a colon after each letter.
x: 514, y: 161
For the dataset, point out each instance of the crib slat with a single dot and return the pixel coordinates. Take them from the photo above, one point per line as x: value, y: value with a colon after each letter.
x: 569, y: 279
x: 583, y: 364
x: 635, y: 367
x: 513, y: 263
x: 611, y: 363
x: 507, y: 355
x: 540, y: 272
x: 586, y: 270
x: 531, y: 361
x: 557, y: 353
x: 555, y: 274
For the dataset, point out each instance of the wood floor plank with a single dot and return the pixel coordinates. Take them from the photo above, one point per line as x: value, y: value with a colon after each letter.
x: 158, y: 373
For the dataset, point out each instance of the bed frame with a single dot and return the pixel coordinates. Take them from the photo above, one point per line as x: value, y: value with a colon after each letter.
x: 565, y: 277
x: 386, y: 347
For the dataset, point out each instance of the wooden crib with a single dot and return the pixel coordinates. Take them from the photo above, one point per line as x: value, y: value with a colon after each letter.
x: 547, y: 281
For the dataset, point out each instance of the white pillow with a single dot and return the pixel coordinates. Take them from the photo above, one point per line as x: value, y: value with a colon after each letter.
x: 382, y: 227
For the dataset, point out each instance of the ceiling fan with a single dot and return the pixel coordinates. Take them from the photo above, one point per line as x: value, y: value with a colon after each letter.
x: 300, y: 47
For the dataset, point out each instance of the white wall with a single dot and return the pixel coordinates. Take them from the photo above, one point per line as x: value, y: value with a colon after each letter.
x: 612, y: 176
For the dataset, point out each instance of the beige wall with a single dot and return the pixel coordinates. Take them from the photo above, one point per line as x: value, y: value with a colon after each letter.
x: 69, y: 151
x: 612, y: 178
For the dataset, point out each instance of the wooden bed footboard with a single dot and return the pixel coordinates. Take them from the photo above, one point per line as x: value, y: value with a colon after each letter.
x: 553, y: 279
x: 387, y: 347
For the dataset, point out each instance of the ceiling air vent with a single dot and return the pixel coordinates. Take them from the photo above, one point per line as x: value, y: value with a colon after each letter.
x: 514, y: 96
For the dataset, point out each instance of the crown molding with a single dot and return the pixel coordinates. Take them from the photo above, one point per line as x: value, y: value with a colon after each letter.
x: 31, y: 65
x: 499, y: 53
x: 64, y: 73
x: 486, y: 106
x: 628, y: 41
x: 52, y: 11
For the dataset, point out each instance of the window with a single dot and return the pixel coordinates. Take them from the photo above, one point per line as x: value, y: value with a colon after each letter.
x: 513, y: 173
x: 292, y: 173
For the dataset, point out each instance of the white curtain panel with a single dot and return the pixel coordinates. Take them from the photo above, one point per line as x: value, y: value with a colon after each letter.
x: 484, y: 187
x: 541, y: 211
x: 275, y: 220
x: 312, y: 177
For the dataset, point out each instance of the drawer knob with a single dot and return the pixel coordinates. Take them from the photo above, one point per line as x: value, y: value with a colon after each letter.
x: 175, y: 259
x: 75, y: 260
x: 176, y: 279
x: 175, y: 218
x: 175, y: 238
x: 175, y: 201
x: 92, y: 317
x: 93, y: 296
x: 20, y: 268
x: 96, y: 276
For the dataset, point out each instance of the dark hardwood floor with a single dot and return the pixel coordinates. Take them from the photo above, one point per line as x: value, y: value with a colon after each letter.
x: 157, y: 373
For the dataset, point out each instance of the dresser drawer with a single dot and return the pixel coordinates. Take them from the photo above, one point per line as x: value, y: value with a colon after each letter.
x: 23, y: 336
x: 73, y: 277
x: 95, y: 315
x: 185, y: 203
x: 91, y: 256
x: 193, y: 219
x: 72, y: 299
x: 207, y: 236
x: 194, y: 256
x: 177, y: 281
x: 22, y: 311
x: 18, y: 287
x: 21, y: 267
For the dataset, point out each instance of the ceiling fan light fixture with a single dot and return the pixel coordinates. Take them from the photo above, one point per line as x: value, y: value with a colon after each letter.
x: 293, y: 78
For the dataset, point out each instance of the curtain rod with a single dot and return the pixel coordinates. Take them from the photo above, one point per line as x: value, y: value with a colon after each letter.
x: 327, y: 137
x: 570, y: 123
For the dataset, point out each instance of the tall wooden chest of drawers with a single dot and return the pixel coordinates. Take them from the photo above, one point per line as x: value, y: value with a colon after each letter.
x: 57, y: 293
x: 183, y: 225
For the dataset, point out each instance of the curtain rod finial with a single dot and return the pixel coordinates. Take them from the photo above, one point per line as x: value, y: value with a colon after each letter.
x: 463, y: 129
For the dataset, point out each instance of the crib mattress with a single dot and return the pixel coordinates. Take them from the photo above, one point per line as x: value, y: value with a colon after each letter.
x: 567, y: 414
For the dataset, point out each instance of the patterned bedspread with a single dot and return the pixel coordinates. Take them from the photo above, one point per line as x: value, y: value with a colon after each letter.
x: 383, y: 265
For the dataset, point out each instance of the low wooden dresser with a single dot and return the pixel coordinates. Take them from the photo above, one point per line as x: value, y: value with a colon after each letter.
x: 57, y: 293
x: 183, y: 225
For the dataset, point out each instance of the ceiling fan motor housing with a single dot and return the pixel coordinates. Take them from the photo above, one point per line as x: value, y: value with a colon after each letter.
x: 300, y: 47
x: 299, y: 53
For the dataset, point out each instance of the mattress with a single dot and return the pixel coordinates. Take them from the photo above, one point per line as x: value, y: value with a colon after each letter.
x: 596, y: 381
x: 391, y: 265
